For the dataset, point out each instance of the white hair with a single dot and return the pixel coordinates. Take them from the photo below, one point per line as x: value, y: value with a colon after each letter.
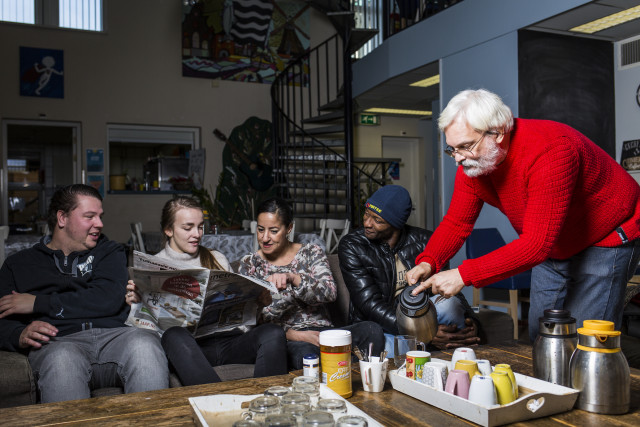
x: 481, y: 109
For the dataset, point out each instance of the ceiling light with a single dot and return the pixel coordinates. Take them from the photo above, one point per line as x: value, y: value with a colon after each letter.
x: 608, y: 21
x: 396, y: 111
x: 430, y: 81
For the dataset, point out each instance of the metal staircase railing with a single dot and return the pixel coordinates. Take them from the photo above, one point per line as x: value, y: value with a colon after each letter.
x: 313, y: 166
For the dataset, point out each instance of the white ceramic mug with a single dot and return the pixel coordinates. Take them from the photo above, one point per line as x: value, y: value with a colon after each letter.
x: 373, y: 375
x: 435, y: 374
x: 482, y: 391
x: 484, y: 366
x: 462, y: 353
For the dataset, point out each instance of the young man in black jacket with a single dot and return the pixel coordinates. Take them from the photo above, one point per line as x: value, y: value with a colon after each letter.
x: 374, y: 260
x: 62, y: 303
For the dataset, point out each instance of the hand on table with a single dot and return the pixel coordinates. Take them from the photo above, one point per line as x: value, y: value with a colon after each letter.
x: 312, y: 337
x: 446, y: 283
x: 132, y: 296
x: 450, y: 337
x: 35, y: 332
x: 16, y: 303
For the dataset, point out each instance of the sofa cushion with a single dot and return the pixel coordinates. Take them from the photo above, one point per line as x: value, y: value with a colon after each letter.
x: 17, y: 386
x: 338, y: 310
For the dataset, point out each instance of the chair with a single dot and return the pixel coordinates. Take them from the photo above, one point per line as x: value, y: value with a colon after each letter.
x: 481, y: 242
x: 246, y: 224
x: 136, y: 237
x: 4, y: 233
x: 328, y: 232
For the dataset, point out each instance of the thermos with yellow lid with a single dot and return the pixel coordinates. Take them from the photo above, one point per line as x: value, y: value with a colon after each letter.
x: 599, y: 369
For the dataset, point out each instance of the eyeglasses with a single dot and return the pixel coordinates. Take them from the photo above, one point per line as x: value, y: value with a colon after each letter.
x: 451, y: 152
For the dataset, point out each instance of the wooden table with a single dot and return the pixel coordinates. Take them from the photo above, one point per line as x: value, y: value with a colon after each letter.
x: 170, y: 407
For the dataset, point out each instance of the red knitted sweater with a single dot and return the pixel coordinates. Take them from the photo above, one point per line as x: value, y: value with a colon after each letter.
x: 561, y: 193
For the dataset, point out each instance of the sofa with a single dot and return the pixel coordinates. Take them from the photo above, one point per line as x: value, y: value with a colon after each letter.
x: 18, y: 387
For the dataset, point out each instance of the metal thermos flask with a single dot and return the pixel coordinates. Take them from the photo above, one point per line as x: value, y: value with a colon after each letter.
x: 599, y: 369
x: 416, y: 315
x: 554, y: 346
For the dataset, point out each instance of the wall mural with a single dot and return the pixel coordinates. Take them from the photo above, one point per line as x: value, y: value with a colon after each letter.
x: 242, y: 40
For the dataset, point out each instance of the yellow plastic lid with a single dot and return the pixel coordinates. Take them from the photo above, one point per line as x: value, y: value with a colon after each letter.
x: 598, y: 328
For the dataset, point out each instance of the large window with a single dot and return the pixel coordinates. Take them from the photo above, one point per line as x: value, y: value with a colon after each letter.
x: 76, y: 14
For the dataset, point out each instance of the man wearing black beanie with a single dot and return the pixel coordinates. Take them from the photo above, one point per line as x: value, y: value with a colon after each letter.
x: 374, y: 259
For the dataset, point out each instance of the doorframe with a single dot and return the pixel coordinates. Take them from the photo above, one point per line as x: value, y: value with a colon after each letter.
x: 76, y: 141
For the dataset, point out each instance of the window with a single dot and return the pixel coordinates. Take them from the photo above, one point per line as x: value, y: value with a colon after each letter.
x: 76, y: 14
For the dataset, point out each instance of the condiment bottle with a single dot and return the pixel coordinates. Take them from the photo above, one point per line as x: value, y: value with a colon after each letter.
x: 335, y: 361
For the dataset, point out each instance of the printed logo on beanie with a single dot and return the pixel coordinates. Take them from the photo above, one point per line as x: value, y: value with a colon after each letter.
x: 373, y: 208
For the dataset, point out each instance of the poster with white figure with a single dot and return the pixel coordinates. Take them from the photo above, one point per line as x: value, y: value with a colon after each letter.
x: 41, y: 72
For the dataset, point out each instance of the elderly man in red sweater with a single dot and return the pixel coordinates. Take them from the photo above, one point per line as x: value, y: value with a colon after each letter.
x: 576, y: 211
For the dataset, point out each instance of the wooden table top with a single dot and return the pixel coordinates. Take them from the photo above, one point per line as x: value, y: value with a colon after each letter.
x: 171, y: 407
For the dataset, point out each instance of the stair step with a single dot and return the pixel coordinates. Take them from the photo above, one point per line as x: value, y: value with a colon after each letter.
x: 318, y: 200
x: 315, y: 185
x: 333, y: 117
x: 314, y: 143
x: 336, y: 104
x: 321, y: 214
x: 322, y: 130
x: 313, y: 157
x: 360, y: 36
x: 312, y: 171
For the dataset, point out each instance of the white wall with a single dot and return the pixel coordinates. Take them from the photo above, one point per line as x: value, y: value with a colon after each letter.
x: 627, y: 108
x: 132, y: 74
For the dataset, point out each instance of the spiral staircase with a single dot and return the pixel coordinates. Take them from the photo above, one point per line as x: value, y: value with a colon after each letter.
x: 312, y: 116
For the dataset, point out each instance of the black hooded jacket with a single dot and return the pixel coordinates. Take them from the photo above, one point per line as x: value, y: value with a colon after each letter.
x: 369, y: 271
x: 83, y: 287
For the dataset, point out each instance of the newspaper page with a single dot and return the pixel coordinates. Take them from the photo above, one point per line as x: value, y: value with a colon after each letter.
x: 204, y: 301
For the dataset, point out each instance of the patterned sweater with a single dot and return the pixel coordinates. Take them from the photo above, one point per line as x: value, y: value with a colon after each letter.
x: 297, y: 307
x: 561, y: 193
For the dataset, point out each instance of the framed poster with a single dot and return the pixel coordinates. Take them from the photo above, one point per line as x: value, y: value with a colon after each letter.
x: 97, y: 182
x: 41, y: 72
x: 95, y: 160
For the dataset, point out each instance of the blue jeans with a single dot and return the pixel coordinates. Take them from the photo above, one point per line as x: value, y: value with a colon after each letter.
x: 69, y: 367
x: 590, y: 284
x: 450, y: 312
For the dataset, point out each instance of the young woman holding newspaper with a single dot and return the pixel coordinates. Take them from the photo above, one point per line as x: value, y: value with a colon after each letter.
x: 265, y: 345
x: 305, y: 283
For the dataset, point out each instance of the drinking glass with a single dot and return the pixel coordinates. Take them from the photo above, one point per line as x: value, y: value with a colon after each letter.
x: 401, y: 345
x: 311, y: 390
x: 295, y: 397
x: 336, y: 407
x: 306, y: 380
x: 277, y: 391
x: 317, y: 419
x: 280, y: 420
x: 351, y: 421
x: 261, y: 407
x: 296, y: 409
x: 247, y: 423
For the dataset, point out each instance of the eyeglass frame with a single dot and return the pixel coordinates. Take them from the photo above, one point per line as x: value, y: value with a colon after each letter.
x: 451, y: 152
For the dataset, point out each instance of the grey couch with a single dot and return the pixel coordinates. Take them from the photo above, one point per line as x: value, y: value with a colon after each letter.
x: 18, y: 387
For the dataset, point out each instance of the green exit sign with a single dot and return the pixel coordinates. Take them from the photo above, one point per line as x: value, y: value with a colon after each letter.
x: 369, y: 119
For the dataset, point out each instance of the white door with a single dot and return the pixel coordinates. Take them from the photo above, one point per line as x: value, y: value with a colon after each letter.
x: 411, y: 172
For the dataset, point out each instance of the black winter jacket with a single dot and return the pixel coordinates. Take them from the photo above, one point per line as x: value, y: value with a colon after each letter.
x: 369, y: 271
x: 83, y: 287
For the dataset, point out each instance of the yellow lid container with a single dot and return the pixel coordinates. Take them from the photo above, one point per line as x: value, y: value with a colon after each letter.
x: 598, y: 335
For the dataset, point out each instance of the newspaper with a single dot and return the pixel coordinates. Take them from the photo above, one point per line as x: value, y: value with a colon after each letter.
x: 204, y: 301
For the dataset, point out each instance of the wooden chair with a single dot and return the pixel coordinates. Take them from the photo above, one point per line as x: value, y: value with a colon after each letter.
x: 481, y: 242
x: 136, y: 237
x: 329, y: 229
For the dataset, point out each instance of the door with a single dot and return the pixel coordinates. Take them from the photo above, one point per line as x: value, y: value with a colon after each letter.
x: 411, y: 172
x: 37, y: 159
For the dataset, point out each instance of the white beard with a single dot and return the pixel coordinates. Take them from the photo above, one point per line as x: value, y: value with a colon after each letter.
x: 486, y: 164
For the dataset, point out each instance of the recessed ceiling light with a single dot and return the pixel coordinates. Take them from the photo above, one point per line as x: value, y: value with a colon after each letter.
x: 397, y: 111
x: 608, y: 21
x: 430, y: 81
